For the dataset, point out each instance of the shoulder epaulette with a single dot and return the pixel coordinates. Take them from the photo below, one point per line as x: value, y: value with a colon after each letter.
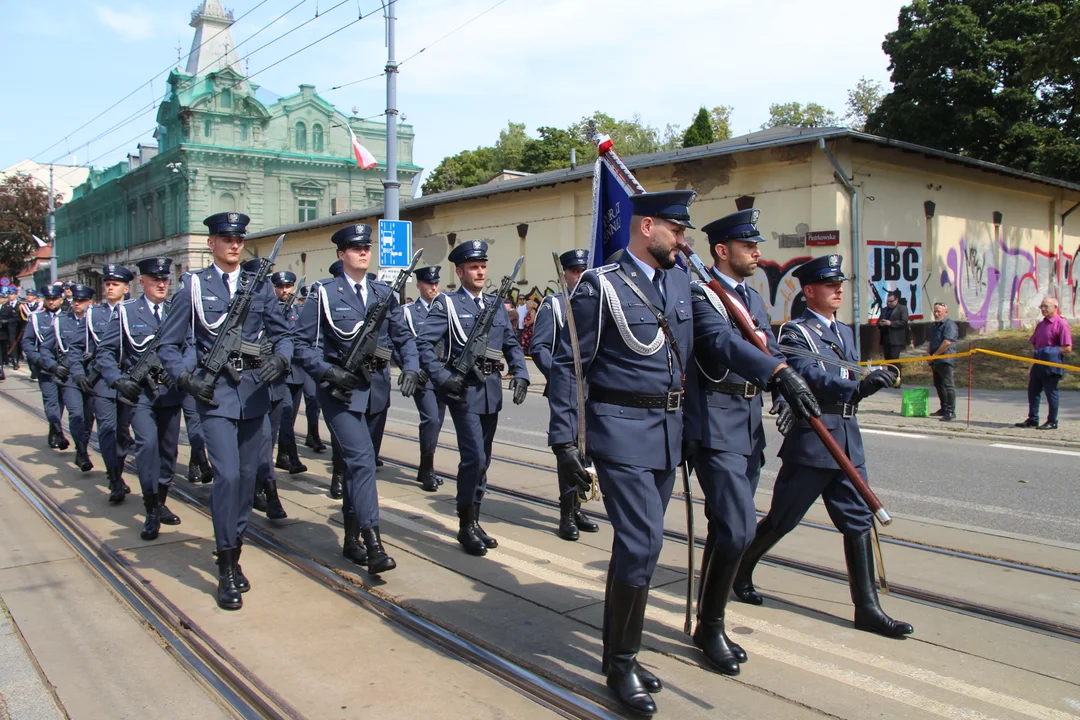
x: 605, y: 268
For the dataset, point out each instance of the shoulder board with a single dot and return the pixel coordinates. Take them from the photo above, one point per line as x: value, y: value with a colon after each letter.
x: 606, y: 268
x: 132, y: 301
x: 379, y: 283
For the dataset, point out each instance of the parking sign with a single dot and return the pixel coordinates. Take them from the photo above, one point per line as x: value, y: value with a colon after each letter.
x: 395, y: 243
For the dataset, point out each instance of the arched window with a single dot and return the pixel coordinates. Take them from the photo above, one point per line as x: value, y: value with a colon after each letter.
x: 301, y: 136
x: 226, y: 98
x: 226, y: 202
x: 207, y: 128
x: 317, y: 138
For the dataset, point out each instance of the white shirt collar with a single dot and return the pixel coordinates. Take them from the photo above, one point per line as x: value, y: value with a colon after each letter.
x: 474, y: 297
x: 822, y: 317
x: 151, y: 305
x: 424, y: 303
x: 233, y: 276
x: 732, y: 282
x: 648, y: 270
x: 362, y: 285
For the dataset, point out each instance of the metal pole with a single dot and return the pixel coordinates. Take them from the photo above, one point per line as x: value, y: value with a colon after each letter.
x: 391, y: 195
x: 856, y: 242
x: 54, y: 262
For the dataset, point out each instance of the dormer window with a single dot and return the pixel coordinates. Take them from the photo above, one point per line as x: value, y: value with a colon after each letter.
x: 301, y: 136
x: 226, y: 99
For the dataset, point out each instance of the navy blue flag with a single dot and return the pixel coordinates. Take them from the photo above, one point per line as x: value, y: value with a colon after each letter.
x: 611, y: 211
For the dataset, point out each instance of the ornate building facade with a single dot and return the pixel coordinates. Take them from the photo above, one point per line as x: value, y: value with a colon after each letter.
x: 223, y: 144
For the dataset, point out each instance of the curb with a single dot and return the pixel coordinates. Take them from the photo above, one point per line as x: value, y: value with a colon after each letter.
x: 973, y: 434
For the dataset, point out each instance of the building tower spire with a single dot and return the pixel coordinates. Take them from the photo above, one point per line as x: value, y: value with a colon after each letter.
x: 212, y: 48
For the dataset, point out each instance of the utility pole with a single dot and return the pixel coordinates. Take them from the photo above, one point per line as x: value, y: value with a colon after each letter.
x: 391, y: 186
x: 54, y: 263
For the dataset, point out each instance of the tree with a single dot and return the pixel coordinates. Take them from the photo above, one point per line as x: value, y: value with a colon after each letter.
x: 552, y: 150
x: 24, y: 211
x: 720, y: 116
x: 997, y: 81
x: 795, y: 114
x: 700, y: 131
x: 631, y: 137
x: 467, y: 168
x: 862, y: 101
x: 510, y: 147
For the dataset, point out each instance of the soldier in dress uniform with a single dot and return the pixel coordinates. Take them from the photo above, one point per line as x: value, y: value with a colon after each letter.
x: 808, y: 471
x: 723, y: 437
x: 311, y: 400
x: 67, y: 286
x: 636, y: 330
x: 154, y: 412
x: 28, y: 307
x: 476, y: 414
x: 231, y: 413
x: 325, y: 331
x: 39, y: 331
x: 288, y: 458
x: 66, y: 349
x: 86, y: 374
x: 549, y: 329
x: 9, y: 327
x: 337, y: 464
x: 431, y: 407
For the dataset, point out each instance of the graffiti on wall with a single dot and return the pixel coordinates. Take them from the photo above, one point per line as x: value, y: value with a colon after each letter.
x: 781, y: 291
x: 894, y: 266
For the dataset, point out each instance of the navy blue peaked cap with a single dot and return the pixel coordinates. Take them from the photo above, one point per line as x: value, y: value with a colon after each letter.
x: 468, y: 250
x: 158, y: 267
x: 741, y: 225
x: 573, y: 259
x: 823, y: 269
x: 429, y: 274
x: 356, y: 235
x: 673, y: 206
x: 337, y: 269
x: 82, y: 292
x: 227, y: 223
x: 51, y: 292
x: 283, y: 277
x: 117, y: 272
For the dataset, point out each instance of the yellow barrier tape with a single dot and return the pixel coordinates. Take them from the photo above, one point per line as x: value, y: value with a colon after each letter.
x: 969, y: 353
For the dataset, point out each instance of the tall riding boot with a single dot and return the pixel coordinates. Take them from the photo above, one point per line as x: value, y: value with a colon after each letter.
x: 764, y: 539
x: 116, y: 486
x: 82, y: 457
x: 377, y: 559
x: 337, y: 479
x: 568, y: 529
x: 584, y: 524
x: 194, y: 467
x: 467, y: 530
x: 259, y: 501
x: 426, y: 474
x: 274, y: 510
x: 710, y: 636
x: 489, y: 542
x: 625, y: 620
x: 351, y: 548
x: 650, y: 681
x: 312, y: 440
x: 242, y: 583
x: 167, y: 515
x: 228, y: 595
x: 295, y: 466
x: 869, y: 616
x: 152, y: 526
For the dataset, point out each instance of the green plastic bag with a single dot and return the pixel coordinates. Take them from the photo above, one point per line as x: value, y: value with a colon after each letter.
x: 915, y: 403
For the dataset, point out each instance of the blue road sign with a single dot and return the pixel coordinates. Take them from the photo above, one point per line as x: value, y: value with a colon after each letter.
x: 395, y: 243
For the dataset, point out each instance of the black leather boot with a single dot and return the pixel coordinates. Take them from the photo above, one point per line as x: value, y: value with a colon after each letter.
x: 650, y: 681
x: 228, y: 595
x: 626, y: 616
x: 377, y: 559
x: 152, y: 526
x: 274, y: 509
x: 337, y: 479
x: 167, y: 516
x: 194, y: 468
x: 259, y: 501
x: 120, y: 476
x: 584, y: 524
x: 82, y: 458
x: 568, y: 529
x: 116, y: 486
x: 61, y: 441
x: 869, y: 616
x: 242, y: 583
x: 764, y: 540
x: 426, y: 474
x: 312, y: 440
x: 467, y: 531
x: 295, y: 466
x: 207, y: 470
x: 52, y: 437
x: 489, y: 542
x: 710, y: 636
x: 351, y: 547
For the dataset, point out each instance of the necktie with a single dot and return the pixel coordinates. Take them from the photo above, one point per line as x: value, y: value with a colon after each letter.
x: 360, y: 295
x: 225, y: 282
x: 480, y: 303
x: 658, y: 283
x: 742, y: 295
x: 157, y: 313
x: 836, y: 332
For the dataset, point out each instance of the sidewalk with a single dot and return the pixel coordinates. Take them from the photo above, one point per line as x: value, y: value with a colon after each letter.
x: 23, y: 692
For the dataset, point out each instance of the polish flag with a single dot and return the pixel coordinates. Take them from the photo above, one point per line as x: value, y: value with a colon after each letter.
x: 39, y: 241
x: 363, y: 158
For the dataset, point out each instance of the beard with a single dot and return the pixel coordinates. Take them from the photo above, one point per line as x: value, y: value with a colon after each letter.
x: 665, y: 258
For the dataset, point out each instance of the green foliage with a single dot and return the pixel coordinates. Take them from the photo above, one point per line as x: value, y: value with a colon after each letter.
x: 795, y: 114
x: 631, y: 137
x: 862, y: 101
x: 721, y: 122
x: 551, y: 151
x: 700, y: 131
x: 994, y: 80
x: 467, y: 168
x: 24, y: 211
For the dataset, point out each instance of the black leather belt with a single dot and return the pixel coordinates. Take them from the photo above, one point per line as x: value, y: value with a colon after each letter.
x: 747, y: 390
x: 671, y: 401
x: 375, y: 364
x: 845, y: 410
x: 246, y: 362
x: 489, y: 366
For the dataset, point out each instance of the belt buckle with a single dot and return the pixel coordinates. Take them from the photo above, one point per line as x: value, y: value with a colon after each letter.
x: 749, y: 391
x: 237, y: 363
x: 673, y: 401
x: 847, y: 410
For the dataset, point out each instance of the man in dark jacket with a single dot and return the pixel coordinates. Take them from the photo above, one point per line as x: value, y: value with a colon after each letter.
x: 893, y: 326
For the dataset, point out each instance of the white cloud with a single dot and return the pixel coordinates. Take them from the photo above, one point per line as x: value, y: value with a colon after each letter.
x: 133, y: 23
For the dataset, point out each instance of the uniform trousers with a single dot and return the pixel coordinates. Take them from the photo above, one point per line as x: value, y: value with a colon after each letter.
x: 157, y: 433
x: 311, y: 402
x: 193, y: 425
x: 286, y: 435
x: 728, y: 481
x: 80, y: 414
x: 105, y: 412
x: 475, y: 433
x: 376, y: 423
x: 350, y: 431
x: 798, y: 486
x: 271, y: 426
x: 234, y: 448
x: 50, y: 399
x: 432, y: 414
x: 636, y: 499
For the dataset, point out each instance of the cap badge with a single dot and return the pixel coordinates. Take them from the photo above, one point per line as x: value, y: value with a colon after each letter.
x: 834, y: 261
x: 234, y: 218
x: 754, y: 215
x: 359, y: 229
x: 476, y: 244
x: 579, y: 253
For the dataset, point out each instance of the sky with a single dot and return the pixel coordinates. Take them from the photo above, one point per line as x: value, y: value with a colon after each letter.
x: 540, y: 62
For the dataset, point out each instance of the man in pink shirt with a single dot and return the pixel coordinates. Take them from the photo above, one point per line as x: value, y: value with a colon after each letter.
x: 1051, y: 340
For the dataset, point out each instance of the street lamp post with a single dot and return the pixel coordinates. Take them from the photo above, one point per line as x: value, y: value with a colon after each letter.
x: 53, y: 262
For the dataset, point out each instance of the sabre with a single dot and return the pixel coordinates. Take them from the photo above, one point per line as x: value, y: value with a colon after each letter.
x: 688, y: 623
x: 879, y: 558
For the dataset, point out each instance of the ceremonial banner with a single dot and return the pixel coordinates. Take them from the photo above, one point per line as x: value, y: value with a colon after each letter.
x: 611, y: 208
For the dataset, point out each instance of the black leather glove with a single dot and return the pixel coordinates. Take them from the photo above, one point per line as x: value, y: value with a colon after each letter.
x: 340, y: 379
x: 690, y: 450
x: 520, y: 388
x: 200, y: 388
x: 273, y: 368
x: 454, y: 386
x: 128, y: 388
x: 408, y: 381
x: 83, y: 383
x: 797, y: 393
x: 878, y: 379
x: 61, y: 372
x: 786, y: 420
x: 572, y: 468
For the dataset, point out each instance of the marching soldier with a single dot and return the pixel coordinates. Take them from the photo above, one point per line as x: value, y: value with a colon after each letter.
x: 288, y: 458
x: 151, y: 409
x: 66, y: 350
x: 39, y: 331
x: 808, y: 471
x: 548, y: 330
x: 325, y: 333
x: 199, y: 470
x: 724, y: 440
x: 231, y: 413
x: 476, y: 414
x: 634, y: 348
x: 31, y: 305
x: 431, y: 407
x: 9, y: 329
x: 337, y: 463
x: 311, y: 402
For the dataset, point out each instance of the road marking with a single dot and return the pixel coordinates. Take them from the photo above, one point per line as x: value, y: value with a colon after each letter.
x: 977, y: 507
x: 890, y: 433
x: 1050, y: 451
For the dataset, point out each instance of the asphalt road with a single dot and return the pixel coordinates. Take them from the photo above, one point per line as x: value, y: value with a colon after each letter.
x: 972, y: 482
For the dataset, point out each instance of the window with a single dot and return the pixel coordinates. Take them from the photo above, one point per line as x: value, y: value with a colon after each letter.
x: 207, y: 128
x: 301, y: 136
x: 226, y: 98
x: 309, y: 210
x: 317, y: 139
x: 226, y: 202
x: 243, y: 132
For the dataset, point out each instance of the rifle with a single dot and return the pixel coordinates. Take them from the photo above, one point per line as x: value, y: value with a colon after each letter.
x: 229, y: 345
x: 92, y: 373
x: 148, y: 371
x: 477, y: 344
x: 291, y: 300
x: 365, y: 346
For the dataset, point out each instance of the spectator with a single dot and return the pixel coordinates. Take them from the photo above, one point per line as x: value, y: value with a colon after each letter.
x: 523, y: 312
x: 1051, y: 340
x: 512, y: 311
x: 893, y: 326
x: 943, y: 335
x: 527, y: 326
